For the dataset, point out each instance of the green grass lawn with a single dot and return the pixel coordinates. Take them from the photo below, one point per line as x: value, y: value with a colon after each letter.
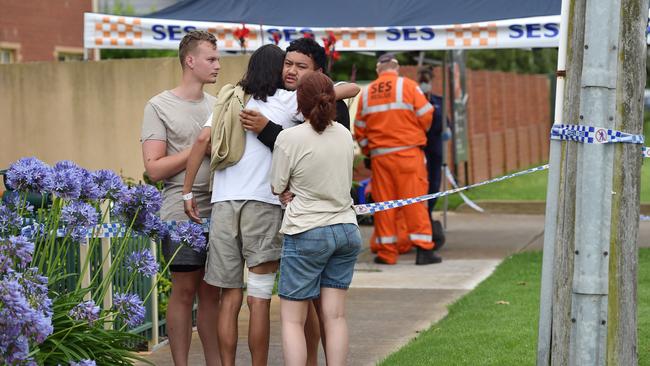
x: 496, y: 324
x: 530, y: 187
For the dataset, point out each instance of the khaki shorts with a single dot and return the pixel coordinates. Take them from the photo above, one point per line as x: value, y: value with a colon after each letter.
x: 241, y: 231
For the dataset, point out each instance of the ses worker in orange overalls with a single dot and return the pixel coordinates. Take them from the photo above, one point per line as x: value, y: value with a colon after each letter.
x: 391, y: 126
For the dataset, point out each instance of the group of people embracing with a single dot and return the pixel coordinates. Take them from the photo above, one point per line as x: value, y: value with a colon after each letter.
x: 279, y: 138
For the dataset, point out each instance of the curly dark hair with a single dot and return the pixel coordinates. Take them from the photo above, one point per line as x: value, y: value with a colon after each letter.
x: 264, y: 74
x: 308, y: 46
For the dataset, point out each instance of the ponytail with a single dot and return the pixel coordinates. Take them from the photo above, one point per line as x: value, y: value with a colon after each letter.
x: 316, y: 100
x: 321, y: 114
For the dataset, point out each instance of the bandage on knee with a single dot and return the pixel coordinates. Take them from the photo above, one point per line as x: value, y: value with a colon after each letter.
x: 260, y: 285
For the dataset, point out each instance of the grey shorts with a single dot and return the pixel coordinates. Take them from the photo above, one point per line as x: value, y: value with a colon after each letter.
x: 241, y: 231
x: 186, y: 256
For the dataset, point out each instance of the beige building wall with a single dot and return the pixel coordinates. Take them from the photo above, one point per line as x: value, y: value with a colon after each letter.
x: 88, y: 112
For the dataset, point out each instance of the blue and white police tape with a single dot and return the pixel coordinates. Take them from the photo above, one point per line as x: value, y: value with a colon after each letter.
x: 112, y: 230
x: 468, y: 202
x: 592, y: 135
x: 371, y: 208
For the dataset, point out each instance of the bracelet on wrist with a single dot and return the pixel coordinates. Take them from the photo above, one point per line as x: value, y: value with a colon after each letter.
x: 188, y: 196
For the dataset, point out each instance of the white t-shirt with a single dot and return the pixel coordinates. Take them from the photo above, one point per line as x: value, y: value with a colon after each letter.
x: 249, y: 178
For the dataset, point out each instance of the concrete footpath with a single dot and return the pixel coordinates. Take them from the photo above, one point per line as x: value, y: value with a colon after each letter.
x: 389, y: 305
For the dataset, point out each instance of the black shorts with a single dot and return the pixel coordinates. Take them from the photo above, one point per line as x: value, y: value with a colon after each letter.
x: 185, y: 267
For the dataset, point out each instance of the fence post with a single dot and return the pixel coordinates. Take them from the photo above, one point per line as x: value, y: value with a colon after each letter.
x: 154, y: 299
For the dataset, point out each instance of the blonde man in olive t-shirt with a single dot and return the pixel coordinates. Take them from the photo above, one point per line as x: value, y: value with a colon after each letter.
x: 172, y: 121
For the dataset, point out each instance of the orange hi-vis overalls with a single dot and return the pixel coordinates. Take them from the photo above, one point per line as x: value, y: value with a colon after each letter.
x: 392, y: 119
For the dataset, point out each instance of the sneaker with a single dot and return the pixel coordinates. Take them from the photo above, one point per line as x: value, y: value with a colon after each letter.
x: 426, y: 257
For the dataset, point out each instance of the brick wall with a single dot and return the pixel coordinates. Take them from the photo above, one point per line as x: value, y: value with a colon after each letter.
x: 39, y: 26
x: 508, y: 121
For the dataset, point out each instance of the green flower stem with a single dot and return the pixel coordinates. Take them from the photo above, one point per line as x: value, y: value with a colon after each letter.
x: 118, y: 259
x: 163, y: 271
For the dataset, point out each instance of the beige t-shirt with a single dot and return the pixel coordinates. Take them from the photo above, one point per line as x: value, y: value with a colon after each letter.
x: 317, y: 168
x: 179, y: 122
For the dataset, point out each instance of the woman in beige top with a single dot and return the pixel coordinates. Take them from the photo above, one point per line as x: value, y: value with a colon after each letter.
x: 321, y: 237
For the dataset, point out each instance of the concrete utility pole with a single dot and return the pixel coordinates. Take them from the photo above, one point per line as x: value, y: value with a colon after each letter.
x: 594, y: 236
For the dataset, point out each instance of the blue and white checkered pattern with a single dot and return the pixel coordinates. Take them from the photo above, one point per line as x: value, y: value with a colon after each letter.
x: 592, y: 135
x: 114, y: 230
x: 371, y: 208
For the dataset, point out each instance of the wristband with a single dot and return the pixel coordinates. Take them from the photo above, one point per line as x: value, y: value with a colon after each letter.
x: 187, y: 197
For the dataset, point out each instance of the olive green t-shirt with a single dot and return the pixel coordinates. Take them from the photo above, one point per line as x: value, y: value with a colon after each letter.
x: 178, y: 122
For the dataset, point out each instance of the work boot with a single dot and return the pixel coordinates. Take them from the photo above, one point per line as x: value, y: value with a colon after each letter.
x: 378, y: 260
x: 426, y: 257
x: 437, y: 234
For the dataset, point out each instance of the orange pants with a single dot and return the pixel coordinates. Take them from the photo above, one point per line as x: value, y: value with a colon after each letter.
x: 404, y: 245
x: 398, y: 175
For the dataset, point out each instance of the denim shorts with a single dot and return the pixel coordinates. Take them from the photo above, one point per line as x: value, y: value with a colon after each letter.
x: 320, y: 257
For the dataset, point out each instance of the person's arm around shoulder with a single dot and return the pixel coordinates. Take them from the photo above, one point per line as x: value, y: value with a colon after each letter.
x: 346, y: 90
x: 193, y: 164
x: 280, y: 166
x: 360, y: 128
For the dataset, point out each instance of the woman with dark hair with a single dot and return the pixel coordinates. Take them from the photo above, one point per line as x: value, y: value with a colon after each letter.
x: 246, y: 216
x: 322, y: 240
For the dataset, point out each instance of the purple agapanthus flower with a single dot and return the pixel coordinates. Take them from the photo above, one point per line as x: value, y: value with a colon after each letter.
x: 138, y: 206
x: 143, y: 262
x: 18, y: 248
x: 65, y: 180
x: 110, y: 184
x: 190, y: 234
x: 129, y: 308
x: 148, y: 197
x: 86, y: 311
x: 28, y: 175
x: 79, y: 219
x: 10, y: 221
x: 36, y: 290
x: 154, y: 227
x: 17, y: 203
x: 14, y: 349
x: 83, y: 363
x: 15, y: 252
x: 25, y: 314
x: 90, y: 190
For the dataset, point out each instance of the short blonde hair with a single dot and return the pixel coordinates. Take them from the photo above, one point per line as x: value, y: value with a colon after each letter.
x: 191, y: 41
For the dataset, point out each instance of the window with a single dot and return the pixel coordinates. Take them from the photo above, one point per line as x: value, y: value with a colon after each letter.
x: 7, y: 56
x: 68, y: 54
